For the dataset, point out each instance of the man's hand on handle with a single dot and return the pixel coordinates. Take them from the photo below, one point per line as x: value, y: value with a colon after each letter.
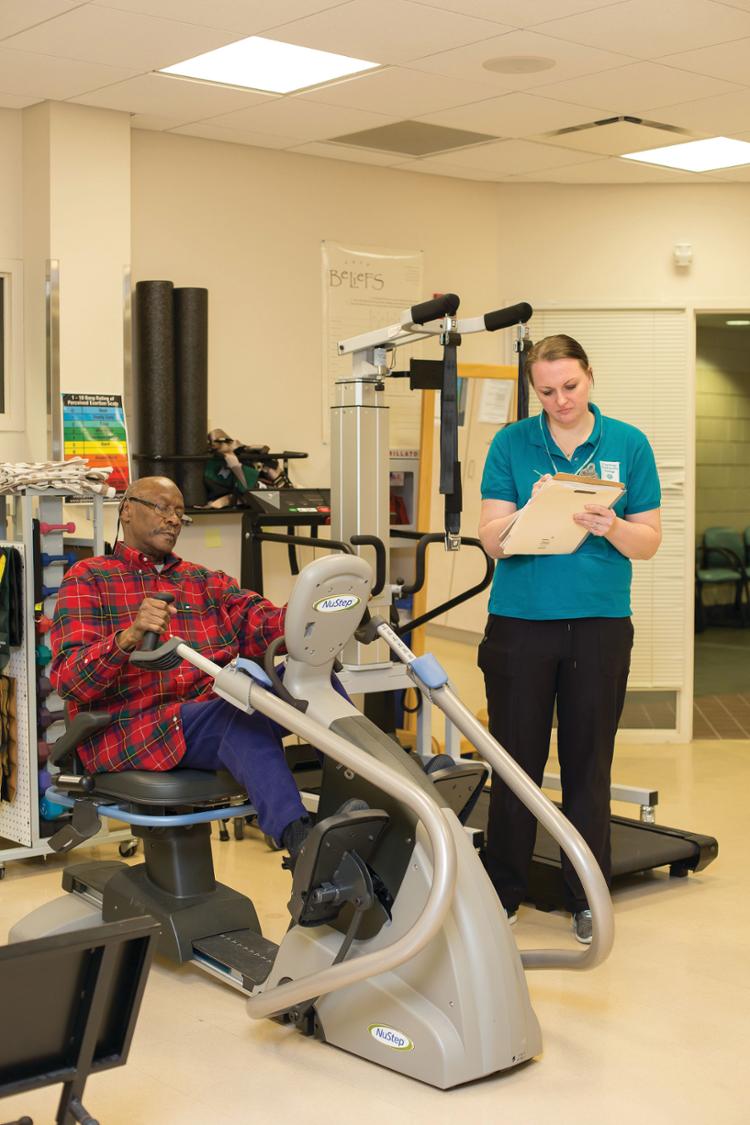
x: 154, y: 616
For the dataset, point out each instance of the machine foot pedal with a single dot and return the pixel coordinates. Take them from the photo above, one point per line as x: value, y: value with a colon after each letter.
x: 244, y: 955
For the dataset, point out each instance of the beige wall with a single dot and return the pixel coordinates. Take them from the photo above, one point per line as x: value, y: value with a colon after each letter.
x: 723, y: 428
x: 13, y: 445
x: 248, y: 224
x: 613, y: 243
x: 11, y: 139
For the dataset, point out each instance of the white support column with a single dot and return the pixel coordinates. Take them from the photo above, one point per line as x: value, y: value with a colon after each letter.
x: 76, y: 212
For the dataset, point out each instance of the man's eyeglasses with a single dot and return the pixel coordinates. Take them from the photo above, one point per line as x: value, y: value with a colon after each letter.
x: 163, y: 510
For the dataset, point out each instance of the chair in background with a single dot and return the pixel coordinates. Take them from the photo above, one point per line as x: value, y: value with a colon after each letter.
x: 746, y: 537
x: 720, y: 561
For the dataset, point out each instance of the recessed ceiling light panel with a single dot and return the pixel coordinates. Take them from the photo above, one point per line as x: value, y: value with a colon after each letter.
x: 696, y: 156
x: 266, y: 64
x: 738, y: 323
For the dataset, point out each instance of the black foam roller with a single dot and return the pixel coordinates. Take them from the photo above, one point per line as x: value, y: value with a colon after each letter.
x: 191, y: 364
x: 154, y: 375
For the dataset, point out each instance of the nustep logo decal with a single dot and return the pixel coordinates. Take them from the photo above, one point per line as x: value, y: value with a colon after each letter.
x: 336, y: 604
x: 389, y: 1037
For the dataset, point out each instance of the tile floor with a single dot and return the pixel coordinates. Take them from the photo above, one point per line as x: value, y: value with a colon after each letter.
x: 659, y: 1032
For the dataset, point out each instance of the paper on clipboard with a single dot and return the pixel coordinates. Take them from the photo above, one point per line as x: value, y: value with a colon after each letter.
x: 545, y: 525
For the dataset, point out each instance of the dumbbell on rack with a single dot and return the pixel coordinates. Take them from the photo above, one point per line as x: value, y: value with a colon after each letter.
x: 67, y: 558
x: 45, y: 718
x: 46, y: 528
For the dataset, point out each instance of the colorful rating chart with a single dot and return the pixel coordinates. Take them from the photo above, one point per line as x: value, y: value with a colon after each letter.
x: 94, y: 428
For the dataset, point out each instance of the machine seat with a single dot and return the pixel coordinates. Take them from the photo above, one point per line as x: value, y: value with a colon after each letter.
x: 168, y: 787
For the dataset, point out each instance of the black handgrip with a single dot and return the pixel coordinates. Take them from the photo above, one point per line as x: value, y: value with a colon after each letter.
x: 151, y: 639
x: 380, y: 558
x: 444, y: 305
x: 419, y: 562
x: 505, y: 318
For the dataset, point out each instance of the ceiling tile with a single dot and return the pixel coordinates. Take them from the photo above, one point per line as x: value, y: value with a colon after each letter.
x: 610, y: 171
x: 153, y: 123
x: 724, y: 115
x: 519, y: 13
x: 733, y: 175
x: 16, y: 15
x: 352, y: 155
x: 730, y: 61
x: 634, y: 88
x: 511, y: 157
x: 103, y: 35
x: 570, y: 60
x: 390, y: 31
x: 177, y: 98
x: 432, y: 167
x: 396, y: 90
x: 44, y: 77
x: 18, y: 101
x: 513, y: 115
x: 211, y: 132
x: 647, y: 30
x: 246, y: 17
x: 293, y: 117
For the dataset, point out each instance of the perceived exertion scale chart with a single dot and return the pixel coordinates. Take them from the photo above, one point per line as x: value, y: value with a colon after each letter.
x: 94, y: 428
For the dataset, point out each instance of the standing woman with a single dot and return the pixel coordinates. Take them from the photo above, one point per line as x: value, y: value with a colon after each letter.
x: 559, y: 627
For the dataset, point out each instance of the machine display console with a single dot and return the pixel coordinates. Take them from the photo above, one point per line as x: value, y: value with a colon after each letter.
x: 292, y: 502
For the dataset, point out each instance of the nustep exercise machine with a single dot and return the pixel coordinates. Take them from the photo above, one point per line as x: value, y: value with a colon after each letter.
x: 398, y: 950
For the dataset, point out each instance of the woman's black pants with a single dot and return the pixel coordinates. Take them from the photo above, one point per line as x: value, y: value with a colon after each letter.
x: 581, y: 664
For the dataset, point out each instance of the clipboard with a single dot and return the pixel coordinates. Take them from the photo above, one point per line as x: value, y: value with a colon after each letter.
x: 545, y: 526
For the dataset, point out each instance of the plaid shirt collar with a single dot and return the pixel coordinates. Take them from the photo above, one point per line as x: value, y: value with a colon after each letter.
x: 136, y: 561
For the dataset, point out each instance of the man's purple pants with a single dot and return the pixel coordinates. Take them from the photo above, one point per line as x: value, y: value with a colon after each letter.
x: 219, y: 736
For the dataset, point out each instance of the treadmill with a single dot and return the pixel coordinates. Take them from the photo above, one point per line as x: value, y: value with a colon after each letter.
x: 638, y: 846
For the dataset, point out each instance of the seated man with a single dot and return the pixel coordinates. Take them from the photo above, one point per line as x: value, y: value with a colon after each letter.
x: 168, y: 720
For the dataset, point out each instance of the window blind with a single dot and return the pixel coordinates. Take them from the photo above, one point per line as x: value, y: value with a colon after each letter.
x: 640, y: 360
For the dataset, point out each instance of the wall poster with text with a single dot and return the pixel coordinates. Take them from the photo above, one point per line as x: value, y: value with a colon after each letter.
x: 365, y: 289
x: 94, y: 428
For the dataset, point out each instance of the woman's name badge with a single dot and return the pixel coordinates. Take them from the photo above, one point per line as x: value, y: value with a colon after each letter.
x: 610, y: 470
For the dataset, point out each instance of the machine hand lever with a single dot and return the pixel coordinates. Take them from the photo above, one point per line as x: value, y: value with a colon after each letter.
x: 151, y: 639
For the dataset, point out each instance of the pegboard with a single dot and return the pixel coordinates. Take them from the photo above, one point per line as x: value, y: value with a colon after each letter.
x: 15, y: 816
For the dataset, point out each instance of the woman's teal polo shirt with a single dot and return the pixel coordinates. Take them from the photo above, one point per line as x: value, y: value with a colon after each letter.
x: 595, y: 580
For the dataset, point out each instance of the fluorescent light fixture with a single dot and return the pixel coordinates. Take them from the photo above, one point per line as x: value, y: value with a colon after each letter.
x: 266, y: 64
x: 738, y: 323
x: 696, y: 156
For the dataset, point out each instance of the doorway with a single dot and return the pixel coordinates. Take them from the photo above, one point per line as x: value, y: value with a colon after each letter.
x: 722, y: 518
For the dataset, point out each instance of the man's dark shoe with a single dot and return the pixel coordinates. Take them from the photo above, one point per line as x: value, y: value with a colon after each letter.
x: 293, y: 838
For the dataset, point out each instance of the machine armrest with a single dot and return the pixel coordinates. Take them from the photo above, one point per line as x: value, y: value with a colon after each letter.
x: 85, y: 724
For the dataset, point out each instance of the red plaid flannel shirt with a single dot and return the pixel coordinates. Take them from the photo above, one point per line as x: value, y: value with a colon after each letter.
x: 97, y: 599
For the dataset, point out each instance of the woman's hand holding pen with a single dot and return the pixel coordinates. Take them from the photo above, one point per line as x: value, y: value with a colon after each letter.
x: 542, y: 480
x: 597, y: 519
